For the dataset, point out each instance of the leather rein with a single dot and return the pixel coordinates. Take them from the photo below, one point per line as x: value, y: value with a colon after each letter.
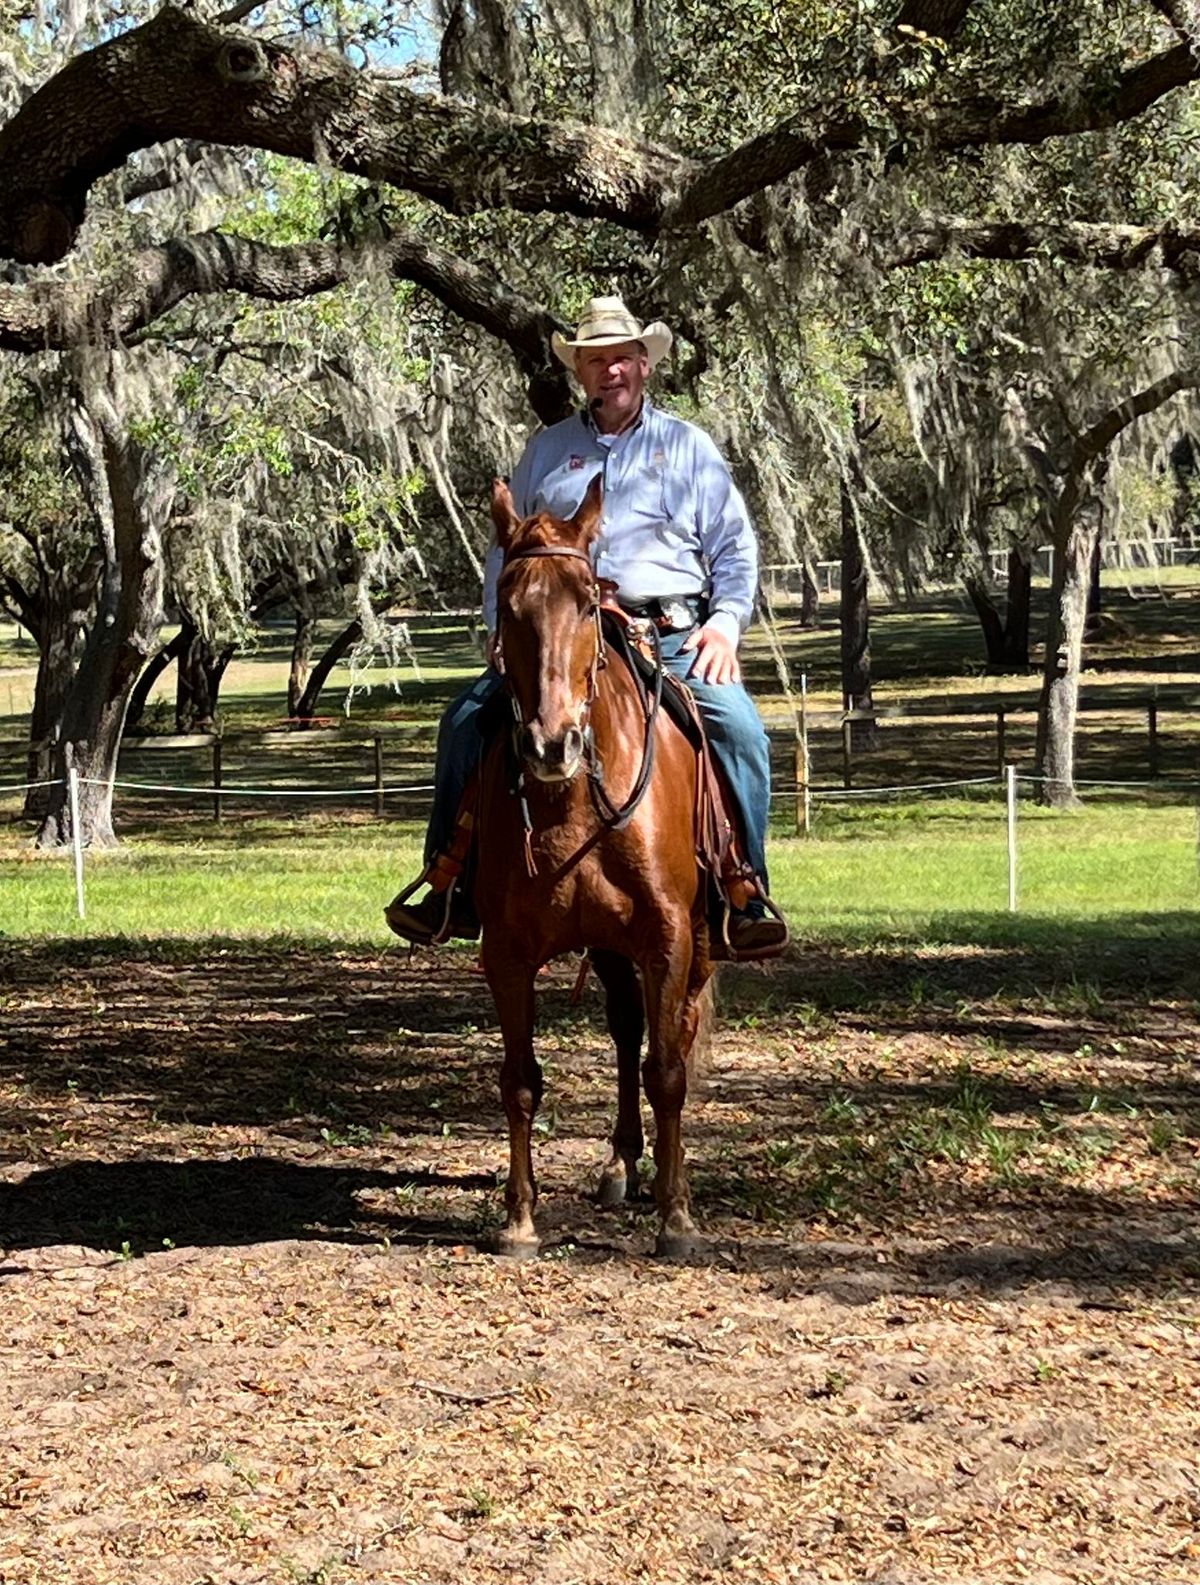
x: 612, y: 816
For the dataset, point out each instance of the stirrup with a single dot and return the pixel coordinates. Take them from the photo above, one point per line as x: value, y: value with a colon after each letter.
x: 442, y: 934
x: 721, y: 948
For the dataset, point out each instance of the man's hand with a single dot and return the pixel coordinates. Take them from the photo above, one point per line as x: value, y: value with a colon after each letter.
x: 716, y: 658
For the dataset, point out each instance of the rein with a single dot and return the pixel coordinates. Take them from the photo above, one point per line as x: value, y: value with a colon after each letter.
x: 611, y: 817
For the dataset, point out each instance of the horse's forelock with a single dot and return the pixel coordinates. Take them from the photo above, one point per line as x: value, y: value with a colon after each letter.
x: 543, y: 529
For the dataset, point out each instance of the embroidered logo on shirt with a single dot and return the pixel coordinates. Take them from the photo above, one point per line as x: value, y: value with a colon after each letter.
x: 577, y: 462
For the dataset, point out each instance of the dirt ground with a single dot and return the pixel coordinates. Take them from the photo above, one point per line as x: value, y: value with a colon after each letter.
x: 946, y: 1329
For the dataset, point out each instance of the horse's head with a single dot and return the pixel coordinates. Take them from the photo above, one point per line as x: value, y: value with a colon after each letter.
x: 549, y: 628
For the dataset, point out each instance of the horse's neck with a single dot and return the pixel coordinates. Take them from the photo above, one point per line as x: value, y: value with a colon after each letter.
x: 619, y: 711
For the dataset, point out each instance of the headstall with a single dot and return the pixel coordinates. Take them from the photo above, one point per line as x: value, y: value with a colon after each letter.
x: 612, y: 816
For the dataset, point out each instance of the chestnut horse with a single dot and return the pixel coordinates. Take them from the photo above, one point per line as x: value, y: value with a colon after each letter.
x: 567, y: 864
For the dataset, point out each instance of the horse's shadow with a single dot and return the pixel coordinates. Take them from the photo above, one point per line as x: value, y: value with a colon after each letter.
x: 137, y: 1207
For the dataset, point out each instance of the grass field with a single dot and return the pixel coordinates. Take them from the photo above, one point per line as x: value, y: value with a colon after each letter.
x: 922, y: 872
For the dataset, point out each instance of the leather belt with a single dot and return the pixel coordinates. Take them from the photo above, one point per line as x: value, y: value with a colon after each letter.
x: 670, y: 613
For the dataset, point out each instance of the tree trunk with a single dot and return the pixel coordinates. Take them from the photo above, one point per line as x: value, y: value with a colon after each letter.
x: 145, y: 683
x: 198, y: 684
x: 1006, y: 642
x: 989, y: 620
x: 1074, y: 543
x: 319, y: 676
x: 1092, y: 624
x: 1016, y: 611
x: 856, y: 625
x: 302, y: 644
x: 123, y: 635
x: 57, y: 652
x: 810, y: 598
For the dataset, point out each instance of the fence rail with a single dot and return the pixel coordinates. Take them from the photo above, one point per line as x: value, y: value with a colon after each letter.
x: 407, y: 748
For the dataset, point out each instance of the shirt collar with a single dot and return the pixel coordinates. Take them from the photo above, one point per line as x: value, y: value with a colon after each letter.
x: 589, y: 424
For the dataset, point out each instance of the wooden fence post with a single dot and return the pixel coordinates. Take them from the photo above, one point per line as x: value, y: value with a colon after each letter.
x: 1152, y: 722
x: 847, y: 747
x: 379, y: 777
x: 1000, y: 735
x: 216, y: 778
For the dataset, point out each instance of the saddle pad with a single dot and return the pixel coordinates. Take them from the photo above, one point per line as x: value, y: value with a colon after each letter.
x: 674, y: 697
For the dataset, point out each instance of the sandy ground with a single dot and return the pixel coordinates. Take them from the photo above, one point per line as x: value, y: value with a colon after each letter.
x: 945, y: 1329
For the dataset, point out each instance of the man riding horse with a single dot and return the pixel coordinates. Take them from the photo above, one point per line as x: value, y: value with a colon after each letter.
x: 677, y: 543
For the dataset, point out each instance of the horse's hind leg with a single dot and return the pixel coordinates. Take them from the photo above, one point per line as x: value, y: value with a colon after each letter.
x: 626, y: 1025
x: 671, y: 1010
x: 521, y: 1092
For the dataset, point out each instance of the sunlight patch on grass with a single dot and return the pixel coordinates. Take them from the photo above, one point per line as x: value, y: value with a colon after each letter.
x: 872, y: 872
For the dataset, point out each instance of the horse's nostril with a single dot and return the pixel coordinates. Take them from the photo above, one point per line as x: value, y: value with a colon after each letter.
x: 572, y: 743
x: 527, y: 745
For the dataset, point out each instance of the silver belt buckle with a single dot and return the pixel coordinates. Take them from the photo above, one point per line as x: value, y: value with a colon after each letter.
x: 676, y: 614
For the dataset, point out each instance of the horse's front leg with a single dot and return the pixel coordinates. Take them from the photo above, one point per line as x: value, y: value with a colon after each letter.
x: 511, y: 985
x: 626, y: 1025
x: 667, y: 977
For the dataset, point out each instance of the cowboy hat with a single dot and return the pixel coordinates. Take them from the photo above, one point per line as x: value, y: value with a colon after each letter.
x: 607, y: 322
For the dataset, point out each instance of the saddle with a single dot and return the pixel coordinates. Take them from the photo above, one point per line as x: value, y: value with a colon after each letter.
x: 718, y: 848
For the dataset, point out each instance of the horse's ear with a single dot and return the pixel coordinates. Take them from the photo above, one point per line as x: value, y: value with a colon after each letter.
x: 587, y: 518
x: 504, y: 513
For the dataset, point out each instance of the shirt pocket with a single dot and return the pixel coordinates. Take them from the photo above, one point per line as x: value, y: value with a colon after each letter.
x: 562, y: 490
x: 679, y: 508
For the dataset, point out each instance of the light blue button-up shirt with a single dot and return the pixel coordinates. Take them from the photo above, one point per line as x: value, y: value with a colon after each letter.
x: 674, y: 522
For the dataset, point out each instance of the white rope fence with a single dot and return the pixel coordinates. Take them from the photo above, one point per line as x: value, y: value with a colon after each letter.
x: 1009, y: 781
x: 888, y: 792
x: 223, y: 790
x: 232, y: 790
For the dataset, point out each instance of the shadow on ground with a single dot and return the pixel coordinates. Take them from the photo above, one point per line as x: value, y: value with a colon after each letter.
x: 232, y: 1092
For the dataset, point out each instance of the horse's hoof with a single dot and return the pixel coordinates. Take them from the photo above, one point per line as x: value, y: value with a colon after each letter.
x: 514, y: 1246
x: 677, y: 1246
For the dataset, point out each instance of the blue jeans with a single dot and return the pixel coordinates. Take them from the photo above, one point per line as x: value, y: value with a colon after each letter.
x: 735, y: 731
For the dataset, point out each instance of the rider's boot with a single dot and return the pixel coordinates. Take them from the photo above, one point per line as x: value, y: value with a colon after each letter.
x: 745, y: 925
x: 446, y: 909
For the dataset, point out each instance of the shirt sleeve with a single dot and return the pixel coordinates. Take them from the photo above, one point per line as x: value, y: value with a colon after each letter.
x: 519, y: 485
x: 727, y: 540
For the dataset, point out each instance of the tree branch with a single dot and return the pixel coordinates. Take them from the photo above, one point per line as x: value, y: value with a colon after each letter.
x: 1093, y: 102
x: 1096, y: 439
x: 57, y: 315
x: 1111, y: 247
x: 179, y: 77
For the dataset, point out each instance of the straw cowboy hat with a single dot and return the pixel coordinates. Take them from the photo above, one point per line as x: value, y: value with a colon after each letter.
x: 607, y: 322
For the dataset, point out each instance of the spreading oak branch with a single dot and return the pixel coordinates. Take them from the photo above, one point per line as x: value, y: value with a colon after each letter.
x: 1104, y: 245
x: 54, y: 315
x: 180, y: 77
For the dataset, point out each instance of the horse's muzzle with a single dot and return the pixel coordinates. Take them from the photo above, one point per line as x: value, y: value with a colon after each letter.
x: 551, y: 759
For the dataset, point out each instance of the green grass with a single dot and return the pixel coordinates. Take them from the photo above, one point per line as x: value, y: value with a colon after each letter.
x: 924, y: 870
x: 920, y: 872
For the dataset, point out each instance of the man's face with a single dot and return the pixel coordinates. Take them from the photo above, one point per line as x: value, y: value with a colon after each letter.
x: 617, y: 375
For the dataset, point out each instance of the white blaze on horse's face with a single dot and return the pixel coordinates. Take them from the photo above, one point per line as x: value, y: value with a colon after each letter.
x: 549, y: 627
x: 550, y: 656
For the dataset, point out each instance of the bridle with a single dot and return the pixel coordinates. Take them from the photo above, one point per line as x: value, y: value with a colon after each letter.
x: 612, y: 816
x: 599, y: 659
